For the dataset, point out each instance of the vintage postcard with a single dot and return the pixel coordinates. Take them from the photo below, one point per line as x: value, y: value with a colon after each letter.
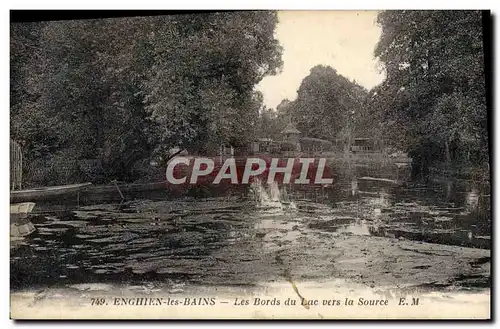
x: 250, y: 165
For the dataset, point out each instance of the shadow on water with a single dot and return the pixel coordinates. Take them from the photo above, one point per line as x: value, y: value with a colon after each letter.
x: 157, y: 236
x: 382, y: 202
x: 136, y: 242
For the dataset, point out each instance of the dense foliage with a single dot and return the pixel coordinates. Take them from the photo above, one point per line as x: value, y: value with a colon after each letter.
x: 102, y: 98
x: 432, y: 103
x: 328, y: 106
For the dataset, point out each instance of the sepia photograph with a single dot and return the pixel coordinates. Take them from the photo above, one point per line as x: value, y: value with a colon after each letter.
x: 262, y: 164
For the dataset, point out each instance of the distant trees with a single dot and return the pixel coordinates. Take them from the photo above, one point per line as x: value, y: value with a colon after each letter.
x: 123, y: 90
x: 271, y: 122
x: 432, y: 102
x: 327, y: 106
x: 208, y: 66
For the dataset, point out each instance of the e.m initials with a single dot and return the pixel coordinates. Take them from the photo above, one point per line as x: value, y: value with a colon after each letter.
x: 404, y: 302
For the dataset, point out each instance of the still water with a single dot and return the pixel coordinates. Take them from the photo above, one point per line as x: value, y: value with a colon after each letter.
x: 157, y: 237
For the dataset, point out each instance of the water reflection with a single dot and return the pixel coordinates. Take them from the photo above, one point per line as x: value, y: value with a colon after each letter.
x: 472, y: 200
x: 357, y: 228
x: 155, y: 238
x: 354, y: 186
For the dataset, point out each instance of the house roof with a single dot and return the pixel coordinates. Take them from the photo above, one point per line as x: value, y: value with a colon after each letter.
x: 290, y: 129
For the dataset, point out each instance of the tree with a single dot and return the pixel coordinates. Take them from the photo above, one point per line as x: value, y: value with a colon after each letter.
x: 123, y: 90
x: 327, y: 105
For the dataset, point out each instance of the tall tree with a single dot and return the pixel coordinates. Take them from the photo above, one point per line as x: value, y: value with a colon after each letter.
x: 204, y: 74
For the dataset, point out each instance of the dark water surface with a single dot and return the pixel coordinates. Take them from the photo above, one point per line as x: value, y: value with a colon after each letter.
x: 157, y: 238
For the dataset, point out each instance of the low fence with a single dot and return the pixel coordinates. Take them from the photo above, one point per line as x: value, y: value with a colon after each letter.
x: 16, y: 165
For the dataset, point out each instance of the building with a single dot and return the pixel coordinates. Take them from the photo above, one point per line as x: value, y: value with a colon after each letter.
x: 265, y: 145
x: 291, y: 138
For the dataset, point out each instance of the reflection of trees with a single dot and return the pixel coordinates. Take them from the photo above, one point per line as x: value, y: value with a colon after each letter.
x: 376, y: 230
x: 314, y: 193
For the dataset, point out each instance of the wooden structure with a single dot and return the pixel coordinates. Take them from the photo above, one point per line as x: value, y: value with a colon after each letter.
x: 362, y: 145
x: 20, y: 224
x: 16, y: 165
x: 46, y: 193
x: 290, y: 133
x: 265, y: 145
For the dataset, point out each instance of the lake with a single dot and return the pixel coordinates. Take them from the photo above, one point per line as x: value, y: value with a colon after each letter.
x: 247, y: 235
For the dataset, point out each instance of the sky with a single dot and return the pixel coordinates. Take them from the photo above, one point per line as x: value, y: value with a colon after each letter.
x: 344, y: 40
